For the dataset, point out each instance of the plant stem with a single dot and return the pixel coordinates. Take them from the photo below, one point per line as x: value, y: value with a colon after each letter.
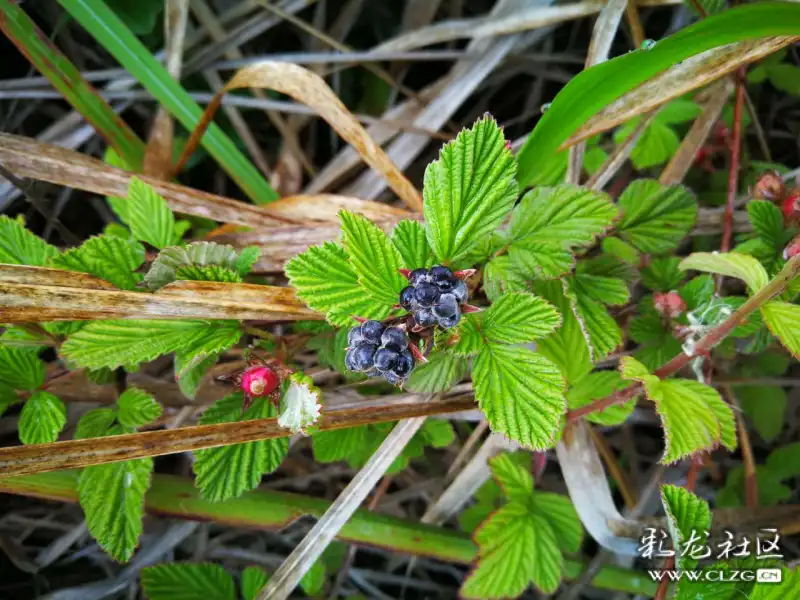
x: 750, y: 481
x: 733, y: 172
x: 706, y: 343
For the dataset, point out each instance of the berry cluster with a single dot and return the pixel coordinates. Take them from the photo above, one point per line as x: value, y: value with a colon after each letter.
x: 374, y: 348
x: 434, y: 296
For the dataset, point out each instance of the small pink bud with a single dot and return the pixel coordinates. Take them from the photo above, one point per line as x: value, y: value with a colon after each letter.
x: 769, y: 186
x: 793, y: 249
x: 669, y: 304
x: 259, y: 381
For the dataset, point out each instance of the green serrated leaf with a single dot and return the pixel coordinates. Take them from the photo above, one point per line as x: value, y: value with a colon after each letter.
x: 540, y: 260
x: 767, y: 221
x: 621, y: 250
x: 137, y: 408
x: 230, y: 471
x: 20, y: 369
x: 501, y: 277
x: 563, y: 518
x: 339, y: 444
x: 148, y: 215
x: 442, y: 371
x: 656, y: 145
x: 412, y: 243
x: 600, y: 330
x: 520, y: 392
x: 730, y: 264
x: 662, y: 274
x: 519, y: 318
x: 687, y: 516
x: 190, y: 368
x: 469, y: 190
x: 247, y: 259
x: 655, y: 217
x: 42, y: 418
x: 594, y: 386
x: 697, y: 292
x: 607, y: 290
x: 95, y: 423
x: 437, y: 433
x: 693, y: 415
x: 515, y: 481
x: 374, y: 258
x: 208, y: 273
x: 468, y: 339
x: 18, y: 246
x: 111, y: 258
x: 766, y: 407
x: 784, y: 462
x: 515, y: 547
x: 253, y: 579
x: 785, y: 77
x: 7, y: 398
x: 112, y: 498
x: 783, y: 320
x: 165, y: 267
x: 325, y: 280
x: 189, y: 581
x: 126, y: 342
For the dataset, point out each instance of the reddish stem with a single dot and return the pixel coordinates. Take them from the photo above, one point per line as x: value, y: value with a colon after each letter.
x: 733, y: 173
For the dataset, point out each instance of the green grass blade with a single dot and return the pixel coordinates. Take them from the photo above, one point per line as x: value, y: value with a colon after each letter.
x: 176, y: 497
x: 593, y: 89
x: 101, y: 22
x: 65, y: 77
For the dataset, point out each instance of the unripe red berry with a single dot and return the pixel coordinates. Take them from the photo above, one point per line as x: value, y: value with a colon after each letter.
x: 769, y: 186
x: 669, y: 304
x: 259, y: 381
x: 791, y: 207
x: 793, y: 249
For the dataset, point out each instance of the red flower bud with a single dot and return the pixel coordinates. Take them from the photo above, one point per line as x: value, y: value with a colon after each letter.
x: 793, y: 249
x: 791, y: 207
x: 769, y: 186
x: 259, y: 381
x: 669, y: 304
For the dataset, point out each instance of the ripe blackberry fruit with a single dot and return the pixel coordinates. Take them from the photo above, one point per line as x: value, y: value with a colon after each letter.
x: 372, y: 331
x: 363, y: 356
x: 426, y: 294
x: 434, y: 296
x: 407, y: 297
x: 376, y: 349
x: 394, y: 338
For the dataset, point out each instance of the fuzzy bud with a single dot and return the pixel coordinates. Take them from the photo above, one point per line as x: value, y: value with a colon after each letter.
x: 769, y: 186
x: 669, y: 304
x: 793, y: 249
x: 259, y: 381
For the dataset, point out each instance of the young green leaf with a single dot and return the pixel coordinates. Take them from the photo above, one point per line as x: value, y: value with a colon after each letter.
x: 657, y: 144
x: 767, y: 220
x: 112, y: 498
x: 563, y: 518
x: 469, y: 190
x: 209, y: 273
x: 111, y: 258
x: 165, y: 267
x: 126, y: 342
x: 520, y: 392
x: 693, y: 415
x: 600, y: 330
x: 339, y: 444
x: 594, y: 386
x: 468, y: 339
x: 662, y: 274
x: 500, y: 276
x: 42, y: 418
x: 540, y: 260
x: 519, y: 318
x: 247, y: 259
x: 190, y: 367
x: 18, y: 246
x: 230, y: 471
x: 686, y: 515
x: 790, y: 578
x: 516, y: 547
x: 148, y: 215
x: 442, y: 371
x: 766, y: 407
x: 20, y: 369
x: 7, y: 398
x: 189, y: 581
x: 374, y: 258
x: 411, y: 242
x: 730, y: 264
x: 655, y: 217
x: 606, y: 290
x: 325, y: 280
x: 253, y: 579
x: 621, y: 250
x: 515, y: 481
x: 783, y: 320
x: 95, y: 423
x: 137, y: 408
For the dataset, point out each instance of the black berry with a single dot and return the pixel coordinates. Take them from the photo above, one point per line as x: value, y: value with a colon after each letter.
x: 424, y: 317
x: 363, y: 356
x: 418, y: 276
x: 450, y: 322
x: 407, y: 297
x: 354, y: 337
x: 386, y: 359
x: 460, y: 291
x: 394, y: 338
x: 404, y: 365
x: 372, y: 331
x: 439, y: 273
x: 446, y: 307
x: 426, y: 294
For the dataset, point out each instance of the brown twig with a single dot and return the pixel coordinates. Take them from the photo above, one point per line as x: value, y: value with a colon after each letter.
x: 733, y: 173
x: 750, y: 480
x: 706, y: 343
x: 629, y: 495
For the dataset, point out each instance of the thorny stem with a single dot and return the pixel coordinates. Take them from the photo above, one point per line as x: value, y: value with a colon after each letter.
x: 733, y: 172
x: 706, y: 343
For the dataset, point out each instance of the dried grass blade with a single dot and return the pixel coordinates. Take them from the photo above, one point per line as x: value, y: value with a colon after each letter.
x: 309, y: 88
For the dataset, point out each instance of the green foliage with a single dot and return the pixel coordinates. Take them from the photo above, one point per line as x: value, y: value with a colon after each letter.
x: 42, y: 419
x: 766, y: 407
x: 253, y: 579
x: 594, y: 386
x: 230, y: 471
x: 783, y: 320
x: 686, y: 515
x: 137, y: 408
x: 147, y: 214
x: 127, y: 342
x: 411, y: 242
x: 112, y: 498
x: 655, y: 217
x: 20, y: 369
x: 205, y: 261
x: 783, y: 76
x: 141, y: 16
x: 111, y: 258
x: 95, y: 423
x: 522, y: 542
x: 662, y: 274
x: 731, y: 264
x: 190, y: 581
x: 468, y: 191
x: 693, y: 415
x: 442, y: 371
x: 18, y: 246
x: 518, y: 318
x: 374, y: 258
